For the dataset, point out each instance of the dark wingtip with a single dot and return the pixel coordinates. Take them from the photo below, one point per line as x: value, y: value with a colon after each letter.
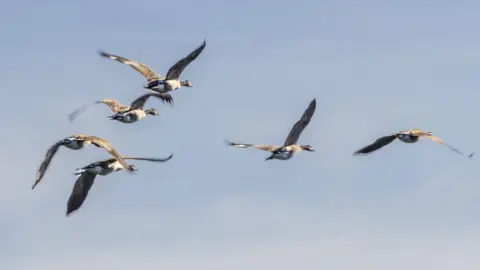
x: 35, y: 184
x: 102, y: 53
x: 471, y: 155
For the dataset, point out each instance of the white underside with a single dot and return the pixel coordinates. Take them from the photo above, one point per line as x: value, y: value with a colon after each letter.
x: 167, y: 86
x: 133, y: 116
x: 116, y: 166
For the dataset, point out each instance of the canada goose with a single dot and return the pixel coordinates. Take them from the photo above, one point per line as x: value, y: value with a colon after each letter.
x: 76, y: 142
x: 290, y: 147
x: 87, y: 177
x: 406, y: 136
x: 136, y: 112
x: 116, y: 107
x: 161, y: 84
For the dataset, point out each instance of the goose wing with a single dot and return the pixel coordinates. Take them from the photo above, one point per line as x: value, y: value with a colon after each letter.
x: 301, y: 124
x: 114, y: 105
x: 152, y: 159
x: 140, y: 102
x: 265, y: 147
x: 175, y: 71
x: 143, y: 69
x: 46, y: 162
x: 379, y: 143
x: 80, y: 191
x: 440, y: 141
x: 107, y: 146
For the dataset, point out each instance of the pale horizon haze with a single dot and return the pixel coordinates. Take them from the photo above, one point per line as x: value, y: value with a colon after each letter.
x: 374, y: 67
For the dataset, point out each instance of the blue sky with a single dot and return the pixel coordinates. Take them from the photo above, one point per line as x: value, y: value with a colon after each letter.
x: 375, y: 67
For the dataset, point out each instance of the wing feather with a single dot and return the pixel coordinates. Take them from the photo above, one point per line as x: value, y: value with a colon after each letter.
x: 140, y: 102
x: 301, y: 124
x: 80, y: 192
x: 440, y: 141
x: 264, y: 147
x: 175, y: 71
x: 42, y: 169
x: 147, y: 72
x: 379, y: 143
x: 107, y: 146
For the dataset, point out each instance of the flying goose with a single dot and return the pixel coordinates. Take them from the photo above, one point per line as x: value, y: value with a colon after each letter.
x: 136, y: 112
x: 161, y: 84
x: 290, y: 147
x: 87, y: 177
x: 406, y: 136
x: 116, y: 107
x: 76, y: 142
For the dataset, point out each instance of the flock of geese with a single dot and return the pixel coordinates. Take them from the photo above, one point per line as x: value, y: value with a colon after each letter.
x: 159, y: 86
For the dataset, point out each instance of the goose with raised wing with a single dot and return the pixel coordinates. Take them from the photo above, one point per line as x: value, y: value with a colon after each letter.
x: 84, y: 182
x: 290, y: 146
x: 406, y: 136
x: 127, y: 114
x: 156, y: 82
x: 136, y: 111
x: 76, y: 142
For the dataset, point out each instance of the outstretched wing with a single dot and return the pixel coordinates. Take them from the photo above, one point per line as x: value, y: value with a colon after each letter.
x: 152, y: 159
x: 265, y: 147
x: 46, y: 162
x: 107, y: 146
x: 80, y: 191
x: 114, y: 105
x: 301, y: 124
x: 438, y: 140
x: 140, y: 102
x: 379, y: 143
x: 175, y: 71
x: 143, y: 69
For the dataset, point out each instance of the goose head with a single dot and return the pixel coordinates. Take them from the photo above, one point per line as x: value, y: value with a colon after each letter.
x: 186, y: 83
x: 308, y: 148
x: 151, y: 111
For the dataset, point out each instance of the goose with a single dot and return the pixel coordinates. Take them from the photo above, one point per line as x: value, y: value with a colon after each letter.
x: 136, y: 112
x: 290, y: 147
x: 88, y: 174
x: 406, y: 136
x: 76, y: 142
x: 116, y: 107
x: 156, y: 82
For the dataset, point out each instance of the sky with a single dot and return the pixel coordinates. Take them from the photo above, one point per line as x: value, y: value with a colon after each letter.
x: 374, y: 67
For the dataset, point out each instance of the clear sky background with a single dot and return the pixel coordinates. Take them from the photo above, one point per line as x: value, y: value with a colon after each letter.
x: 375, y: 67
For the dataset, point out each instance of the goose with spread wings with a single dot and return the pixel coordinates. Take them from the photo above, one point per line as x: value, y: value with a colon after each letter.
x: 156, y: 82
x: 406, y: 136
x: 76, y: 142
x: 127, y: 114
x: 88, y: 174
x: 290, y: 146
